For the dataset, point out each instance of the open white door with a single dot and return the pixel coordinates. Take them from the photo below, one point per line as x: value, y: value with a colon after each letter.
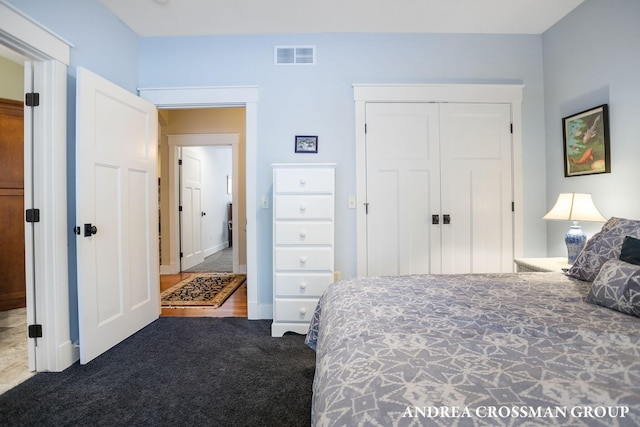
x: 116, y: 191
x: 191, y: 212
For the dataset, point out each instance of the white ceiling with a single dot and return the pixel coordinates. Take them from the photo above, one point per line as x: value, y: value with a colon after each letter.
x: 204, y: 17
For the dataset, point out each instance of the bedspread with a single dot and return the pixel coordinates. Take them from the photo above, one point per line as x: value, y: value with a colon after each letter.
x: 477, y: 349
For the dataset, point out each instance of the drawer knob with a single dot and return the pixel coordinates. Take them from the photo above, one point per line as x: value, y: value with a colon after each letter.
x: 303, y: 181
x: 303, y: 285
x: 303, y: 310
x: 303, y: 259
x: 303, y: 208
x: 303, y: 234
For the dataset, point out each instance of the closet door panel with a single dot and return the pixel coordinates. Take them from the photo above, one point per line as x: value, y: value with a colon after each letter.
x: 477, y: 188
x: 403, y: 184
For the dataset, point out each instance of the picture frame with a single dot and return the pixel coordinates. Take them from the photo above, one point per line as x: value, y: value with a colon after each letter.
x: 306, y: 144
x: 586, y: 142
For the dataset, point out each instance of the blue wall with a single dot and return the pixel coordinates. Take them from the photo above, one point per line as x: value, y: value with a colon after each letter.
x: 101, y: 42
x: 318, y: 100
x: 592, y: 57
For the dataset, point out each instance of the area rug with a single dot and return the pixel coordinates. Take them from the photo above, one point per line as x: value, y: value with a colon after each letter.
x: 202, y: 289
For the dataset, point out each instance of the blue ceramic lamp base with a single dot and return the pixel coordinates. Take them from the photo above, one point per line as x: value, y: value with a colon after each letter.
x: 575, y: 240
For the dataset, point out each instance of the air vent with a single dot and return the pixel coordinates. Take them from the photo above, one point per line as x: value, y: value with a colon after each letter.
x: 295, y: 55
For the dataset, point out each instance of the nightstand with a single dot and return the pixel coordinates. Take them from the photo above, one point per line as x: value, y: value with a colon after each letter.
x: 541, y: 264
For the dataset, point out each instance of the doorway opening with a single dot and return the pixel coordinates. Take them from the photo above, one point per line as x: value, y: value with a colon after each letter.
x: 13, y: 306
x: 202, y: 201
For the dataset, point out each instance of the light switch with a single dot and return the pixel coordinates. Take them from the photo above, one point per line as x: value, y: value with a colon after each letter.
x: 352, y: 202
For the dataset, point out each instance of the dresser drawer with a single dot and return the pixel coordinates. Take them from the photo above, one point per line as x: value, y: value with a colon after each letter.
x: 303, y: 258
x: 294, y: 310
x: 303, y: 207
x: 300, y: 285
x: 303, y: 181
x: 308, y: 233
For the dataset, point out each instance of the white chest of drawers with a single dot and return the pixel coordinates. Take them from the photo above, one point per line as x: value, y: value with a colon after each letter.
x: 303, y: 242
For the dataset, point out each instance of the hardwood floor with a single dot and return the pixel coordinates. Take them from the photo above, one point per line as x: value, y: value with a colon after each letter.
x: 235, y: 306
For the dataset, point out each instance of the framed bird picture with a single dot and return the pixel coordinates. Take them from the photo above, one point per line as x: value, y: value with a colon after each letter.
x: 586, y: 142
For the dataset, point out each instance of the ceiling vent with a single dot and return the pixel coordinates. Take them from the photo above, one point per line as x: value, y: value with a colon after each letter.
x: 295, y: 55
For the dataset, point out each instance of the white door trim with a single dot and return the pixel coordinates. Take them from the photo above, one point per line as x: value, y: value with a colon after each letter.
x: 25, y: 36
x: 208, y: 97
x: 47, y: 301
x: 198, y: 140
x: 477, y: 93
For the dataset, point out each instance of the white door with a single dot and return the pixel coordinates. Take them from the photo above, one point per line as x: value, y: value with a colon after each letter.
x: 476, y: 188
x: 116, y: 192
x: 439, y: 188
x: 403, y: 186
x: 191, y: 214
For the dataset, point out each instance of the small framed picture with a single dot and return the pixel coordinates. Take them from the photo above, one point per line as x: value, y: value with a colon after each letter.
x: 306, y: 144
x: 586, y: 142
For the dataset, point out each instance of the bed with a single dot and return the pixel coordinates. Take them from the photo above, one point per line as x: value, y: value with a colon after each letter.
x: 485, y: 349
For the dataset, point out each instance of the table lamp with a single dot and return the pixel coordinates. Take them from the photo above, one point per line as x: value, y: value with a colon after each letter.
x: 574, y: 207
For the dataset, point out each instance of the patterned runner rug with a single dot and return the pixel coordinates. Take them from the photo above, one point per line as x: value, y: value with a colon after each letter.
x: 204, y: 289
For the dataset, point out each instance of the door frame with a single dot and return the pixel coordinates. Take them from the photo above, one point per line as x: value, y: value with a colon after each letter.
x: 461, y: 93
x: 46, y: 246
x: 177, y: 141
x: 228, y: 96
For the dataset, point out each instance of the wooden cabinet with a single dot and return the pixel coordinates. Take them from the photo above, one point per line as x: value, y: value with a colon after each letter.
x: 303, y: 242
x: 12, y: 263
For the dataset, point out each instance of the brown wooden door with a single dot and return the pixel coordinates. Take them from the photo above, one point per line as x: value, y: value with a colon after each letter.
x: 12, y: 265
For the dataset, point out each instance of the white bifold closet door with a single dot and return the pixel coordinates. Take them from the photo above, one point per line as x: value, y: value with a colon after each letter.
x: 439, y: 188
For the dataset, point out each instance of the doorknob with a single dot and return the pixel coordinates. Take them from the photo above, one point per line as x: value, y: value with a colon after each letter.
x: 435, y: 219
x: 446, y: 219
x: 90, y: 230
x: 203, y: 213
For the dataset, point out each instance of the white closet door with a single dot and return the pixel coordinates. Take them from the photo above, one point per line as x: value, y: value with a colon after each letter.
x: 476, y: 188
x: 403, y: 182
x: 191, y: 202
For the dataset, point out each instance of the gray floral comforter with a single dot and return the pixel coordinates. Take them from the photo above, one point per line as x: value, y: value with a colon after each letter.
x: 467, y: 350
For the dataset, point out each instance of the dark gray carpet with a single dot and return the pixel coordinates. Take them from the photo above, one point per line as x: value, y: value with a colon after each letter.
x: 177, y: 372
x: 219, y: 262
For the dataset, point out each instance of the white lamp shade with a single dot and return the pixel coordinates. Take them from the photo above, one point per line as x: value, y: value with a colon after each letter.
x: 575, y: 207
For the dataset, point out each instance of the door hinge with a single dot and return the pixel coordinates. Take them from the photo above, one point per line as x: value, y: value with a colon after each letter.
x: 366, y: 208
x: 365, y: 128
x: 181, y: 255
x: 32, y: 99
x: 33, y: 215
x: 35, y: 331
x: 179, y: 208
x: 511, y: 128
x: 179, y: 162
x: 513, y: 206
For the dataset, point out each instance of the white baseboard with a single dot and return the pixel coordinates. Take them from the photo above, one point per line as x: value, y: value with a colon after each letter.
x: 216, y: 248
x: 261, y: 311
x: 169, y: 269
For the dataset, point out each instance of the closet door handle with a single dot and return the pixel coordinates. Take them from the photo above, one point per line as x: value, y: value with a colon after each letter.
x: 435, y: 219
x: 446, y: 219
